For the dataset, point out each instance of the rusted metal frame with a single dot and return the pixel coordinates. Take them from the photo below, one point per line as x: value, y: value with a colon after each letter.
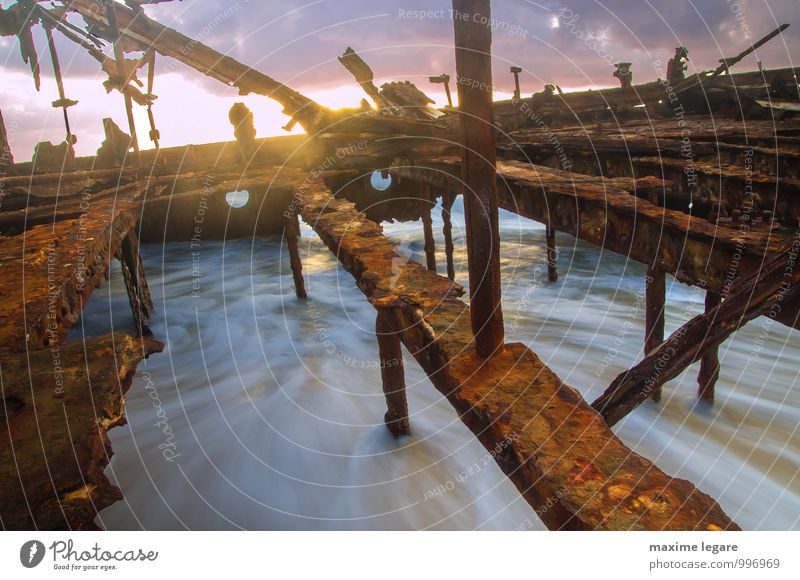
x: 650, y: 92
x: 73, y: 33
x: 610, y: 217
x: 124, y: 77
x: 709, y: 362
x: 53, y: 469
x: 208, y: 61
x: 729, y: 186
x: 427, y: 228
x: 392, y: 367
x: 552, y: 251
x: 655, y: 307
x: 6, y: 158
x: 473, y: 61
x: 448, y: 199
x: 62, y: 102
x: 79, y: 251
x: 291, y: 234
x: 558, y: 452
x: 135, y: 281
x: 776, y: 284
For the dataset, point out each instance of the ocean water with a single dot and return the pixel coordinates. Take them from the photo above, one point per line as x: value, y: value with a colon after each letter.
x: 265, y: 412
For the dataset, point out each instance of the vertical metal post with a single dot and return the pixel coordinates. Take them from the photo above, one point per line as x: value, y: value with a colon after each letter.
x: 291, y: 233
x: 448, y: 199
x: 119, y: 56
x: 62, y: 102
x: 6, y: 158
x: 655, y: 298
x: 392, y: 372
x: 515, y: 70
x: 151, y: 74
x: 552, y: 252
x: 135, y: 281
x: 447, y: 92
x: 444, y: 79
x: 709, y: 362
x: 473, y: 41
x: 427, y: 228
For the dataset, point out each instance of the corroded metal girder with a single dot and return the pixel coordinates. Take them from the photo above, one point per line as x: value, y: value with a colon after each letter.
x: 49, y: 271
x: 760, y: 294
x: 556, y: 449
x: 598, y: 211
x: 149, y: 34
x: 57, y: 407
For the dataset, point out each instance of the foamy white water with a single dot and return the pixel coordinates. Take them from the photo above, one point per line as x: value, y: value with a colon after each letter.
x: 273, y: 407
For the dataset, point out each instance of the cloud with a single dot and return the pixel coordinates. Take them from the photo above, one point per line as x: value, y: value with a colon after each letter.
x: 297, y: 42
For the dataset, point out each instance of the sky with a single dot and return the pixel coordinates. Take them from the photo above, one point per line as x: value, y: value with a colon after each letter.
x: 573, y: 43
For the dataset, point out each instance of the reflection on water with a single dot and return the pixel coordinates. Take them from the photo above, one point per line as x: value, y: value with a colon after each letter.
x: 265, y: 412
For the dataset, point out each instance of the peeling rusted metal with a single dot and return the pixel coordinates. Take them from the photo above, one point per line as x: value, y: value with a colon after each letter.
x: 691, y: 249
x: 50, y: 270
x: 555, y: 448
x: 59, y: 406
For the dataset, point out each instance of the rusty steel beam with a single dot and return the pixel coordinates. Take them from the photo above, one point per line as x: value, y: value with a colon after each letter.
x: 448, y: 199
x: 764, y: 292
x: 54, y: 446
x: 598, y: 211
x: 552, y: 252
x: 473, y: 42
x: 135, y: 281
x: 709, y: 362
x: 655, y: 306
x: 291, y: 234
x: 392, y: 372
x: 50, y: 270
x: 555, y: 448
x: 430, y: 242
x: 148, y: 33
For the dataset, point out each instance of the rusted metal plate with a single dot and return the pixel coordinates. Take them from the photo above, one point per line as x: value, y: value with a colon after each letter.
x: 732, y: 87
x: 48, y: 272
x: 598, y: 211
x: 195, y: 206
x: 58, y: 405
x: 698, y: 144
x: 556, y: 449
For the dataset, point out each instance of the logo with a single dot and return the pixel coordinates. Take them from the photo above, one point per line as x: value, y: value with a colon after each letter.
x: 31, y: 553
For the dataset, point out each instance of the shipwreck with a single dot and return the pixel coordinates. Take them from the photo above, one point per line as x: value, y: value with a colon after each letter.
x: 612, y: 167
